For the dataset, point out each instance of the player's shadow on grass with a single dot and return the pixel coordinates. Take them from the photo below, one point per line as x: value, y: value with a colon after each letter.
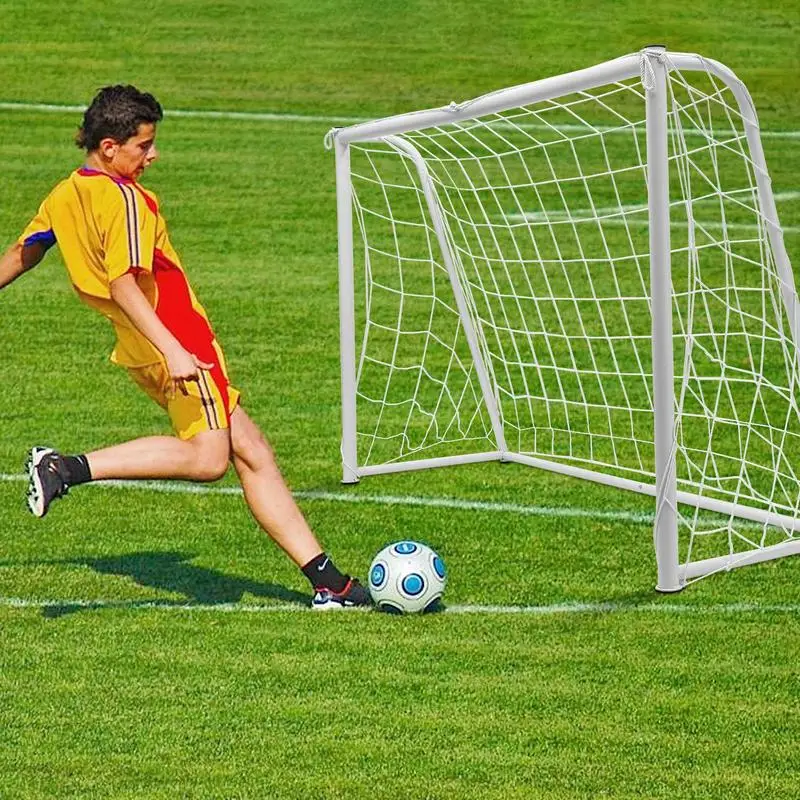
x: 172, y: 572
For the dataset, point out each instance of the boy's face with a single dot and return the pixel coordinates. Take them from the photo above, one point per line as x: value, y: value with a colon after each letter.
x: 130, y: 158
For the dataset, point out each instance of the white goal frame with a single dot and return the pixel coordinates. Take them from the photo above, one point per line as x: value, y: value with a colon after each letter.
x: 651, y: 64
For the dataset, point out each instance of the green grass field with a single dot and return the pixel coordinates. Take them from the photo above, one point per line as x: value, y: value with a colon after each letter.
x: 155, y: 644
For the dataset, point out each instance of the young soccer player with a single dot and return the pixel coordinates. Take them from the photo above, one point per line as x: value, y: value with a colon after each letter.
x: 120, y: 260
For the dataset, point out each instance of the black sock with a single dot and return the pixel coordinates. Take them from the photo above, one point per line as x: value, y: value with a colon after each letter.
x: 77, y: 469
x: 322, y: 573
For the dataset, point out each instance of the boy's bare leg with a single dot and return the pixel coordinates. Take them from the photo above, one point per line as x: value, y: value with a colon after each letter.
x: 267, y: 494
x: 204, y: 457
x: 51, y: 474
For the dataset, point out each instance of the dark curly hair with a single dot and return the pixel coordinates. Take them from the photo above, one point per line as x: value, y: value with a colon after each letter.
x: 116, y: 112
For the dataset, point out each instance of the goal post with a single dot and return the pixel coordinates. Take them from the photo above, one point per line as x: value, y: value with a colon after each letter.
x: 584, y: 274
x: 665, y: 527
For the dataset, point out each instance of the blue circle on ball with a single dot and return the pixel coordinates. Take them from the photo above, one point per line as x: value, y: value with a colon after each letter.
x: 378, y: 575
x: 405, y: 548
x: 413, y: 584
x: 438, y: 565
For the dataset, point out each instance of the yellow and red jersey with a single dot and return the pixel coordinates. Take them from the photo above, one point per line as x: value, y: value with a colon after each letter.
x: 106, y: 227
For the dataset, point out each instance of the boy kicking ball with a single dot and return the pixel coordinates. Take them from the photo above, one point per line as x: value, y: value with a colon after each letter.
x: 120, y: 260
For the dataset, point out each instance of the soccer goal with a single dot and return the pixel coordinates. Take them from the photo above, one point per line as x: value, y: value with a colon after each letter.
x: 584, y: 274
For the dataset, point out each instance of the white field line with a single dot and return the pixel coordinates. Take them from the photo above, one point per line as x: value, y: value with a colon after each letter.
x: 551, y: 512
x: 176, y: 487
x: 262, y: 116
x: 556, y: 609
x: 255, y: 116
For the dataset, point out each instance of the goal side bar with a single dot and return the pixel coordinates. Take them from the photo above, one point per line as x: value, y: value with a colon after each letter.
x: 686, y: 61
x: 757, y: 515
x: 347, y: 314
x: 457, y: 285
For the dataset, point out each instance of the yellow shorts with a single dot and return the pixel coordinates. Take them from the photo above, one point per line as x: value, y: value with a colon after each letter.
x: 207, y: 404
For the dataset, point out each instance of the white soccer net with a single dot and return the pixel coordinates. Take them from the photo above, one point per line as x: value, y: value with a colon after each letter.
x: 542, y: 212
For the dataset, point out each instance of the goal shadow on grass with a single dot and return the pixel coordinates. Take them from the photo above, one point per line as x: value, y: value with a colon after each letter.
x: 173, y: 572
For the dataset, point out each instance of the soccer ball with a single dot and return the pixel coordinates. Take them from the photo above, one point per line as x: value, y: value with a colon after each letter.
x: 406, y: 577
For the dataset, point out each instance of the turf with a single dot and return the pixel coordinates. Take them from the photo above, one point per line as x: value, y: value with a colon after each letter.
x: 112, y: 687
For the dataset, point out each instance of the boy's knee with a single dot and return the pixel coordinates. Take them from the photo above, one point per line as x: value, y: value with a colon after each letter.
x: 210, y: 470
x: 211, y: 459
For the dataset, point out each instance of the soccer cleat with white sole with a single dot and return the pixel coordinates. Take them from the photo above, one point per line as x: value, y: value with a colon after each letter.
x: 354, y: 595
x: 46, y: 479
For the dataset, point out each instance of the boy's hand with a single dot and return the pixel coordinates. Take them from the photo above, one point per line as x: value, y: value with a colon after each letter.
x: 183, y: 366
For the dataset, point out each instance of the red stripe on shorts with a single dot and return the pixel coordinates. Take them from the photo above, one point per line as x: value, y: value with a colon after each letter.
x: 174, y: 308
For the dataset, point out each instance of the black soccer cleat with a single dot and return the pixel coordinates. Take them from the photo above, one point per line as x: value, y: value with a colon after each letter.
x: 46, y: 479
x: 354, y: 595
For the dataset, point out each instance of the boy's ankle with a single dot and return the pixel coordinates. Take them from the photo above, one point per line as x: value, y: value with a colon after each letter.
x: 77, y: 470
x: 323, y: 574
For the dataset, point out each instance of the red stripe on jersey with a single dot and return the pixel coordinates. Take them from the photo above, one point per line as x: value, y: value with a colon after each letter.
x: 174, y: 308
x: 151, y: 204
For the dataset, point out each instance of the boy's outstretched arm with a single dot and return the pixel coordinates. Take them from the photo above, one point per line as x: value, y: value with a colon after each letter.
x: 18, y: 259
